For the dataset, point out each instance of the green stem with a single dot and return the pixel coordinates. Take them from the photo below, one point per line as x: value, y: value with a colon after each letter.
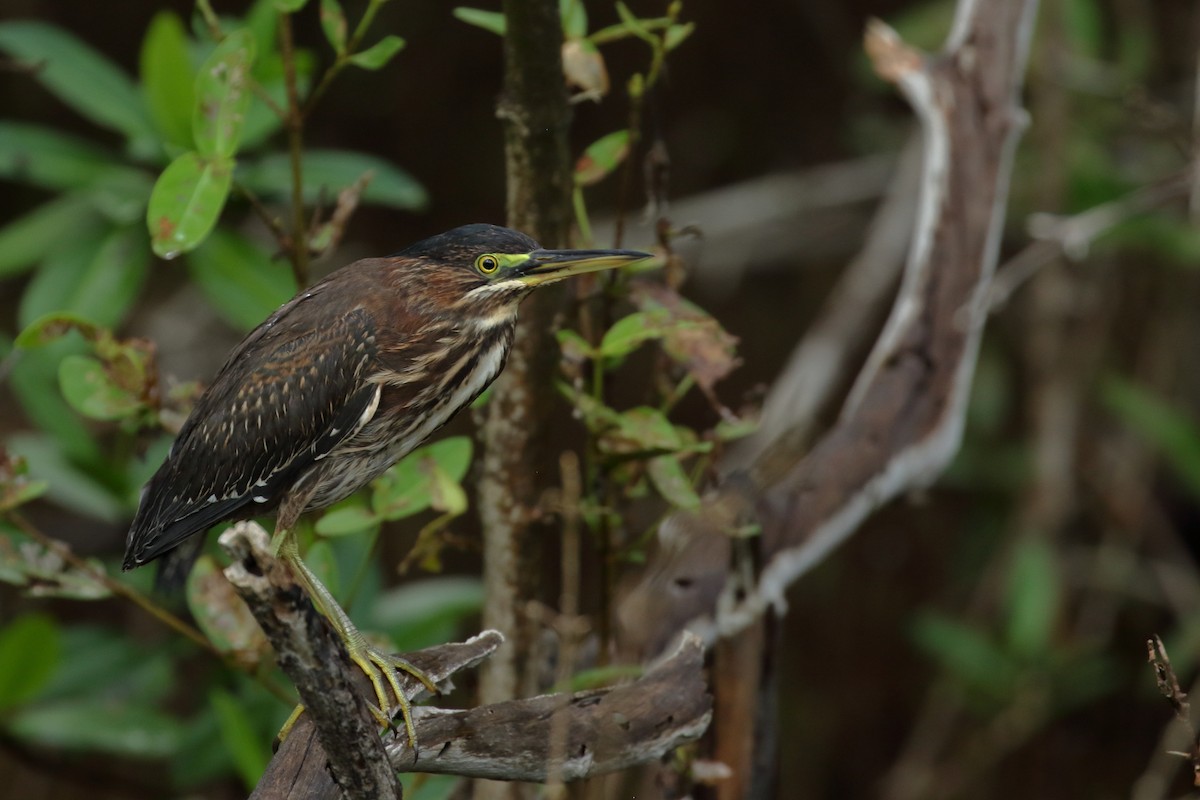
x: 343, y: 58
x: 295, y: 129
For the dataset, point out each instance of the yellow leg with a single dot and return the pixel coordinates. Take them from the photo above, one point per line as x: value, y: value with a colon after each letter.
x: 378, y: 665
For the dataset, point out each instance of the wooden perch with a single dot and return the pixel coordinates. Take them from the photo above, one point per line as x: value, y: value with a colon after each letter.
x: 335, y: 749
x: 315, y: 659
x: 607, y: 729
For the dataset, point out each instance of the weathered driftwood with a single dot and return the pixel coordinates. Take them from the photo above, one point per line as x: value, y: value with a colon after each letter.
x: 335, y: 749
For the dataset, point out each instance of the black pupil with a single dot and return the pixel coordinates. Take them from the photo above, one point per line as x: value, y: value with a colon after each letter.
x: 489, y: 264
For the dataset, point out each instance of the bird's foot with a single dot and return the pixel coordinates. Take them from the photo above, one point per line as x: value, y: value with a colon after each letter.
x: 380, y: 668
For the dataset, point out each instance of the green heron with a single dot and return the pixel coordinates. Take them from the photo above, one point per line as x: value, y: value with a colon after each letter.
x: 338, y: 385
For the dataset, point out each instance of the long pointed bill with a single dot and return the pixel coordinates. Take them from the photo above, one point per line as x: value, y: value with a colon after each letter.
x: 548, y: 266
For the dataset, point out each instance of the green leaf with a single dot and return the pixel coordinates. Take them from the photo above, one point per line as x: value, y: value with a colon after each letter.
x: 45, y: 158
x: 641, y: 430
x: 52, y: 327
x: 601, y: 157
x: 407, y: 488
x: 379, y: 54
x: 88, y: 388
x: 79, y: 76
x: 120, y: 194
x: 573, y: 346
x: 262, y: 121
x: 672, y: 482
x: 249, y: 751
x: 333, y: 22
x: 966, y: 653
x: 1175, y: 434
x: 241, y: 282
x: 1032, y: 598
x: 167, y: 80
x: 677, y: 34
x: 488, y: 20
x: 630, y: 332
x: 97, y: 280
x: 1085, y: 28
x: 223, y: 96
x: 30, y: 650
x: 345, y: 521
x: 120, y: 728
x: 289, y: 6
x: 69, y: 485
x: 220, y: 613
x: 574, y: 18
x: 423, y: 613
x: 327, y: 172
x: 186, y: 202
x: 28, y: 239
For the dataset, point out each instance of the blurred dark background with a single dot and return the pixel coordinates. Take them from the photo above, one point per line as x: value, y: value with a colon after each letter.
x: 899, y: 671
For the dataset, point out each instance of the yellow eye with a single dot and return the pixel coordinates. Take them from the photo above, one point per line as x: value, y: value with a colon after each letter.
x: 487, y: 264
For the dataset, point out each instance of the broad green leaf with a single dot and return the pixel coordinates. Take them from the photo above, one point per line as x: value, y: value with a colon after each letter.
x: 641, y: 430
x: 289, y: 6
x: 327, y: 172
x: 379, y: 54
x: 969, y: 655
x: 406, y: 488
x: 97, y: 280
x: 121, y: 728
x: 345, y: 521
x: 79, y: 76
x: 601, y: 157
x: 574, y: 18
x: 221, y: 614
x: 333, y: 22
x: 262, y: 20
x: 672, y: 482
x: 52, y: 327
x: 223, y: 95
x: 45, y: 158
x: 121, y: 194
x: 29, y: 238
x: 1032, y: 598
x: 30, y: 650
x: 186, y: 202
x: 1174, y: 433
x: 446, y: 494
x: 488, y: 20
x: 111, y: 659
x: 453, y: 455
x: 167, y: 79
x: 426, y: 612
x: 249, y: 751
x: 65, y: 439
x: 70, y: 486
x: 90, y: 390
x: 630, y: 332
x: 241, y: 282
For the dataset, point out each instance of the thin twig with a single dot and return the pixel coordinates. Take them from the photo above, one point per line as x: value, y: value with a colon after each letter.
x: 1168, y: 684
x: 143, y: 602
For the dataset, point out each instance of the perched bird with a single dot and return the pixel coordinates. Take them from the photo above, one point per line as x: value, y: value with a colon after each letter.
x: 336, y: 386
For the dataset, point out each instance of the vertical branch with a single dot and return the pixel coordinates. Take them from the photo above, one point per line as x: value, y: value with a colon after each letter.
x: 295, y: 129
x: 535, y: 114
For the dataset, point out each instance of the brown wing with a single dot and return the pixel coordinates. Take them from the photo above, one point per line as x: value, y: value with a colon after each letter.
x: 295, y: 388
